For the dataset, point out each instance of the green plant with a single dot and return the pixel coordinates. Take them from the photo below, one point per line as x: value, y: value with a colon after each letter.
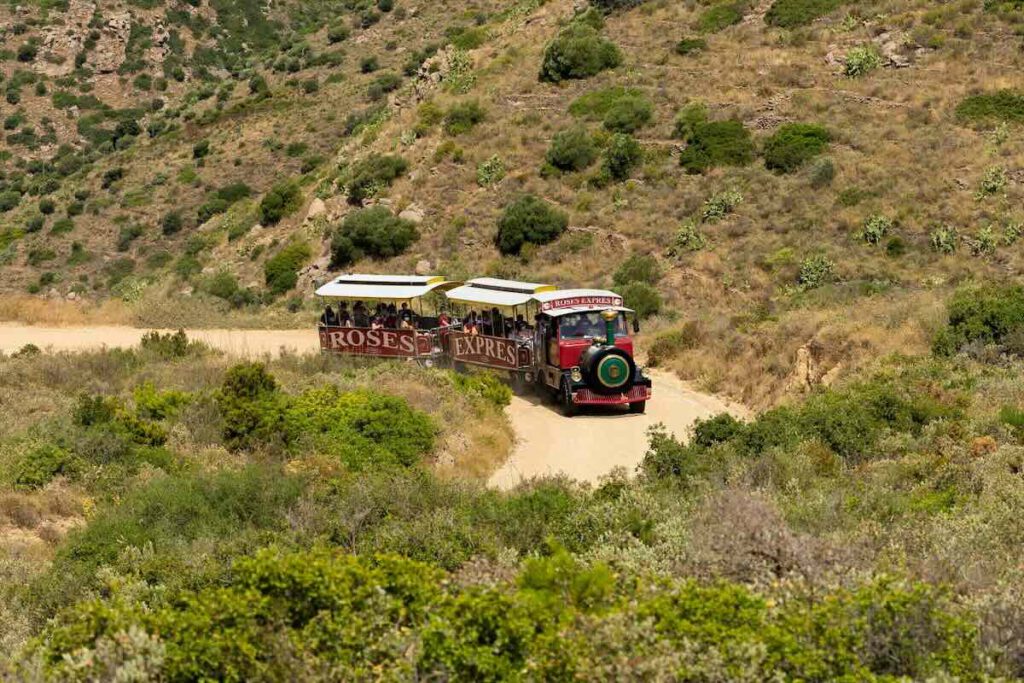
x: 689, y: 46
x: 282, y: 199
x: 628, y: 113
x: 720, y: 205
x: 638, y: 268
x: 717, y: 143
x: 490, y: 172
x: 621, y: 156
x: 794, y: 13
x: 822, y: 172
x: 721, y: 15
x: 987, y: 314
x: 579, y: 51
x: 944, y: 239
x: 861, y: 60
x: 372, y: 232
x: 529, y: 220
x: 993, y: 182
x: 280, y: 272
x: 642, y: 298
x: 572, y: 149
x: 337, y: 33
x: 992, y: 107
x: 875, y: 228
x: 166, y: 345
x: 171, y: 223
x: 687, y: 238
x: 372, y: 174
x: 793, y: 144
x: 463, y: 117
x: 816, y: 271
x: 39, y: 466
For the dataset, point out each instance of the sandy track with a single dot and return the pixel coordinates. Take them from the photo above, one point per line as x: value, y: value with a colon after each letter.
x: 584, y: 447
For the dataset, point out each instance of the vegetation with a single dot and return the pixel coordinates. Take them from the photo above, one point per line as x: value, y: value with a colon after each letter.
x: 372, y: 232
x: 716, y: 143
x: 579, y: 51
x: 1002, y: 105
x: 529, y: 220
x: 281, y: 271
x: 573, y: 149
x: 281, y: 200
x: 794, y: 13
x: 373, y: 174
x: 794, y: 144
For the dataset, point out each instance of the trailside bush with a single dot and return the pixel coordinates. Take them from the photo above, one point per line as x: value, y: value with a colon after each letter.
x: 1002, y: 105
x: 987, y: 314
x: 372, y: 232
x: 793, y: 13
x: 629, y: 113
x: 529, y: 220
x: 280, y: 272
x: 638, y: 268
x: 462, y: 117
x: 621, y: 156
x: 40, y: 465
x: 595, y: 105
x: 579, y: 51
x: 282, y: 199
x: 793, y: 144
x: 252, y: 407
x: 377, y: 171
x: 642, y: 298
x: 689, y: 46
x: 573, y: 149
x: 717, y: 143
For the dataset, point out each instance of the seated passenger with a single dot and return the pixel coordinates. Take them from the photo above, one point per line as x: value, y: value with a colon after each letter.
x: 329, y: 318
x: 471, y: 328
x: 485, y: 323
x: 360, y: 318
x: 443, y: 320
x: 377, y: 323
x: 406, y: 314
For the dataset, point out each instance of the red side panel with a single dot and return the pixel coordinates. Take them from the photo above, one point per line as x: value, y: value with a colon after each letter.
x: 570, y: 350
x: 361, y: 341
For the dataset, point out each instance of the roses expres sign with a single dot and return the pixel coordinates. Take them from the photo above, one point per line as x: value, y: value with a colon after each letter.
x: 362, y: 341
x: 581, y: 302
x: 494, y: 352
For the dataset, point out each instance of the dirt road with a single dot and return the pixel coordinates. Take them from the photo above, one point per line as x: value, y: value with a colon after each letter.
x: 584, y: 447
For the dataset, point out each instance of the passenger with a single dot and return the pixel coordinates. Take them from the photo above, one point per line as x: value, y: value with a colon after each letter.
x: 471, y: 328
x: 443, y: 320
x: 377, y: 323
x: 470, y: 319
x: 329, y: 318
x: 485, y: 325
x: 406, y: 314
x: 359, y: 316
x: 344, y: 319
x: 391, y: 319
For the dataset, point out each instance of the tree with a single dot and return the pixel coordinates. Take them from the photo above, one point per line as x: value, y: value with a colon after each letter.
x: 529, y: 220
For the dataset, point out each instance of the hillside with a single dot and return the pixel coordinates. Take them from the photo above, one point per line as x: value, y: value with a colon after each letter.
x: 799, y: 252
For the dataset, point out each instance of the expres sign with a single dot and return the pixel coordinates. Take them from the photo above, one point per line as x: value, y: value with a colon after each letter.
x: 581, y: 302
x: 494, y: 352
x: 361, y: 341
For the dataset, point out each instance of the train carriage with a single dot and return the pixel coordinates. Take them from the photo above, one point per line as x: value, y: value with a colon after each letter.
x: 419, y: 340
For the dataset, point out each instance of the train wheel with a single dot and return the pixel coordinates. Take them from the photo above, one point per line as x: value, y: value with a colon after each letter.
x: 638, y: 406
x: 569, y: 407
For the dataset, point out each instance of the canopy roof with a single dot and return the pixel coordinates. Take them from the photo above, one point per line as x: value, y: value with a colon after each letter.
x: 562, y: 301
x: 386, y: 287
x: 496, y: 292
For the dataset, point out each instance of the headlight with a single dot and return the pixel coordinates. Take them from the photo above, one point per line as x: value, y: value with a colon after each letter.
x: 644, y: 373
x: 428, y: 363
x: 576, y: 375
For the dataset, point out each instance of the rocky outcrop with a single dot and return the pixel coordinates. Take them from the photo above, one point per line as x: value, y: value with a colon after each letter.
x: 811, y: 369
x: 110, y: 48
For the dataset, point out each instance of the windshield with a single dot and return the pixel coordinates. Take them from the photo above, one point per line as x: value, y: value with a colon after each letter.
x: 588, y: 325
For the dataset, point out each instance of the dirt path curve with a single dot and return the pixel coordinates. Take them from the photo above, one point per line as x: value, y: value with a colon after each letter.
x: 584, y: 447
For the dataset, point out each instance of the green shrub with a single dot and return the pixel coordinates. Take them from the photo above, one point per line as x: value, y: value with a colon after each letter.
x: 595, y: 105
x: 490, y: 172
x: 484, y: 385
x: 875, y: 228
x: 992, y: 107
x: 579, y: 51
x: 280, y: 272
x: 793, y: 144
x: 720, y: 205
x: 372, y: 174
x: 717, y: 143
x: 282, y: 199
x: 529, y: 220
x: 689, y: 46
x: 463, y: 117
x: 47, y: 206
x: 988, y: 314
x: 628, y: 114
x: 168, y: 345
x: 638, y: 268
x: 369, y: 64
x: 252, y: 407
x: 39, y: 466
x: 372, y: 232
x: 793, y: 13
x: 621, y: 156
x: 171, y: 223
x: 572, y: 149
x: 822, y: 173
x: 689, y: 118
x: 687, y: 238
x: 721, y: 15
x: 642, y: 298
x: 715, y: 430
x: 861, y: 60
x: 382, y: 85
x: 613, y: 5
x: 816, y: 271
x: 337, y: 33
x: 945, y: 239
x: 9, y: 199
x: 201, y: 149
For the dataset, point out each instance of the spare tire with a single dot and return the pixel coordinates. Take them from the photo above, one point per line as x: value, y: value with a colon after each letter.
x: 607, y: 369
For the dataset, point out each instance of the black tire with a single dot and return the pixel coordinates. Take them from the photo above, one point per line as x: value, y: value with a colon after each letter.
x: 569, y: 408
x: 638, y: 406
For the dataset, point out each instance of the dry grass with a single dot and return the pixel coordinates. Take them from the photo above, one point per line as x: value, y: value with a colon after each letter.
x: 34, y: 310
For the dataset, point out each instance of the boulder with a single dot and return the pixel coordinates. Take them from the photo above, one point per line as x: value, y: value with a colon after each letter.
x: 316, y: 208
x: 423, y: 267
x: 413, y: 214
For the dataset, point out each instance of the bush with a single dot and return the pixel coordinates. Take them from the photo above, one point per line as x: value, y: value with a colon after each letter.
x: 816, y: 271
x: 613, y: 5
x: 945, y: 239
x: 638, y: 268
x: 717, y: 143
x: 861, y: 60
x: 282, y: 199
x: 715, y: 430
x: 793, y: 13
x: 572, y: 149
x: 280, y: 272
x: 987, y: 314
x: 490, y: 172
x: 689, y: 46
x: 9, y: 199
x: 720, y: 205
x: 1002, y: 105
x: 579, y: 51
x: 252, y: 406
x: 793, y: 144
x: 382, y: 85
x: 875, y: 228
x: 169, y: 345
x: 628, y: 114
x: 721, y: 15
x: 822, y: 173
x: 171, y: 223
x: 622, y: 155
x: 595, y: 105
x: 372, y: 232
x: 337, y: 33
x: 201, y: 149
x: 642, y: 298
x: 373, y: 174
x: 463, y: 117
x: 47, y: 206
x: 369, y: 64
x: 40, y: 465
x: 529, y: 220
